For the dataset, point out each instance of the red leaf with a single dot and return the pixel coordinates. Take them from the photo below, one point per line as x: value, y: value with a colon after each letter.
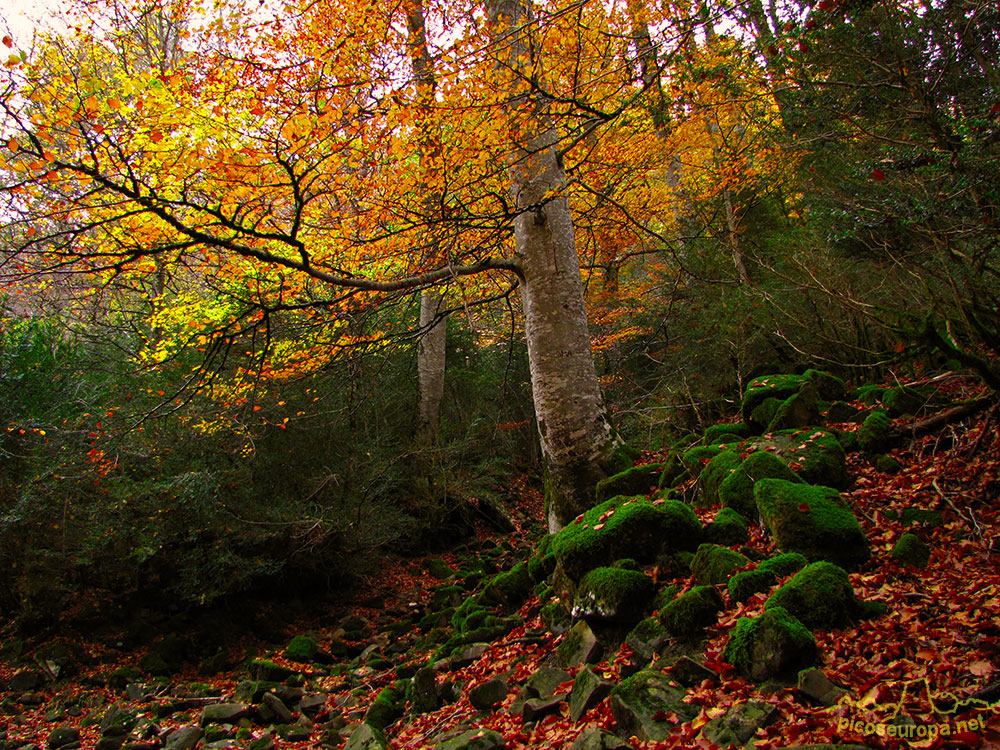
x: 878, y: 175
x: 804, y: 508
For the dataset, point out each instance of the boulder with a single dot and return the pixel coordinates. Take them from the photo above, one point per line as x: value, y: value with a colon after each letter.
x: 716, y: 471
x: 588, y: 690
x: 767, y: 387
x: 775, y: 644
x: 473, y: 739
x: 813, y: 521
x: 273, y: 710
x: 511, y: 588
x: 690, y: 673
x: 784, y: 564
x: 817, y: 686
x: 613, y: 595
x: 183, y: 738
x: 911, y: 550
x: 224, y: 713
x: 799, y: 410
x: 301, y: 650
x: 579, y: 646
x: 486, y: 696
x: 546, y: 682
x: 735, y: 727
x: 821, y: 597
x: 725, y: 433
x: 598, y: 739
x: 625, y: 527
x: 648, y: 706
x: 638, y: 480
x: 728, y: 528
x: 366, y: 737
x: 422, y: 692
x: 874, y: 435
x: 62, y: 737
x: 714, y: 564
x: 815, y: 455
x: 744, y: 585
x: 647, y: 638
x: 736, y: 491
x: 691, y: 612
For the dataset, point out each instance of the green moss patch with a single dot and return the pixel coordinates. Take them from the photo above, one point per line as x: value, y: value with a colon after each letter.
x: 728, y: 528
x: 815, y: 455
x: 771, y: 645
x: 744, y: 585
x: 638, y: 480
x: 911, y: 550
x: 613, y: 594
x: 819, y: 595
x: 785, y: 564
x: 691, y: 612
x: 873, y: 436
x: 812, y: 521
x: 715, y: 472
x: 714, y: 564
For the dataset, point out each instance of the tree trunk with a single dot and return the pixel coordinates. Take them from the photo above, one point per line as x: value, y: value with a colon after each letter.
x: 430, y: 369
x: 579, y: 446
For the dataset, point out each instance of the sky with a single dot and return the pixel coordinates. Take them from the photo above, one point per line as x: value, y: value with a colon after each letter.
x: 20, y: 18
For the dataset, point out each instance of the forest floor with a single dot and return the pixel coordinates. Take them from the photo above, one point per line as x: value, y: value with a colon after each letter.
x: 933, y: 658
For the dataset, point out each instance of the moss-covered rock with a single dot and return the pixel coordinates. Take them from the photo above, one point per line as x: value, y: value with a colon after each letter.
x: 911, y: 550
x: 744, y: 585
x: 775, y: 644
x: 813, y: 521
x: 542, y: 564
x: 799, y: 410
x: 784, y: 564
x: 725, y: 433
x: 386, y: 708
x: 512, y: 587
x: 928, y: 518
x: 873, y: 436
x: 728, y: 528
x: 902, y: 401
x: 715, y: 472
x: 736, y: 490
x: 301, y: 649
x: 759, y: 390
x: 815, y: 455
x: 648, y: 706
x: 691, y: 612
x: 625, y: 527
x: 887, y: 464
x: 714, y: 564
x: 829, y: 386
x: 637, y: 480
x: 868, y: 394
x: 695, y: 459
x: 820, y: 596
x: 613, y: 595
x: 664, y: 596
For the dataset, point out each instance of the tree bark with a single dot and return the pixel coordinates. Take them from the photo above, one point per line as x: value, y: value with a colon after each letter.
x: 579, y: 446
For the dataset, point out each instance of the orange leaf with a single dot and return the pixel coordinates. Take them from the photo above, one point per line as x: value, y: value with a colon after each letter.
x: 981, y: 668
x: 32, y: 231
x: 155, y: 136
x: 12, y: 145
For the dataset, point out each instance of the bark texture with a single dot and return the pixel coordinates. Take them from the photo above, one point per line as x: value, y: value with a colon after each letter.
x: 578, y: 444
x: 430, y: 369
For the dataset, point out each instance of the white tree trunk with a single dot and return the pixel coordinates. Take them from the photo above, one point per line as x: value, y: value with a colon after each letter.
x: 579, y: 446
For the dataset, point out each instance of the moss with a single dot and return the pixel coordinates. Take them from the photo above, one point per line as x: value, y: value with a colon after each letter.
x: 829, y: 386
x: 512, y: 587
x: 626, y: 563
x: 665, y: 596
x: 929, y: 518
x: 624, y: 527
x: 386, y: 708
x: 691, y: 612
x: 675, y: 564
x: 543, y: 562
x: 437, y: 568
x: 799, y: 410
x: 887, y: 464
x: 911, y: 550
x: 811, y: 520
x: 695, y: 459
x: 613, y: 594
x: 758, y: 390
x: 868, y: 394
x: 820, y: 595
x: 874, y: 433
x: 848, y: 440
x: 672, y: 470
x: 785, y: 564
x: 764, y: 413
x: 744, y: 585
x: 715, y: 472
x: 714, y: 564
x: 773, y: 644
x: 725, y: 433
x: 301, y: 649
x: 556, y: 617
x: 903, y: 400
x: 736, y: 490
x: 637, y: 480
x: 728, y: 528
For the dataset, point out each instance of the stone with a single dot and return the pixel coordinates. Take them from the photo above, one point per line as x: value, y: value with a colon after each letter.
x: 273, y: 711
x: 775, y: 644
x: 638, y: 480
x: 312, y: 704
x: 469, y: 655
x: 224, y: 713
x: 613, y: 595
x: 716, y: 471
x: 588, y: 690
x: 811, y: 520
x: 911, y: 550
x: 25, y: 680
x: 473, y: 739
x: 546, y: 681
x: 817, y: 686
x: 510, y: 588
x: 535, y: 709
x: 784, y: 564
x: 598, y: 739
x: 252, y: 691
x: 820, y: 596
x: 691, y: 612
x: 736, y: 726
x: 301, y: 650
x: 366, y: 737
x: 647, y: 638
x: 713, y: 564
x: 63, y: 737
x: 262, y: 743
x: 293, y: 732
x: 874, y: 435
x: 422, y: 692
x: 648, y: 706
x: 736, y: 490
x: 261, y: 669
x: 690, y: 673
x: 729, y: 528
x: 486, y: 696
x: 183, y: 738
x: 746, y: 584
x: 579, y: 646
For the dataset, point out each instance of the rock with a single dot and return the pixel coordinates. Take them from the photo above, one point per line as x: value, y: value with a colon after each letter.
x: 25, y: 681
x: 469, y: 655
x: 820, y: 596
x: 722, y: 433
x: 887, y: 464
x: 714, y: 564
x: 929, y: 518
x: 293, y: 732
x: 262, y: 743
x: 546, y: 682
x: 744, y: 585
x: 739, y: 723
x: 690, y: 673
x: 736, y: 491
x: 598, y: 739
x: 386, y: 708
x: 366, y: 737
x: 301, y: 650
x: 647, y: 638
x: 911, y: 550
x: 716, y: 471
x: 904, y: 401
x: 815, y: 455
x: 648, y: 706
x: 312, y: 704
x: 840, y: 411
x: 273, y: 711
x: 579, y: 646
x: 118, y: 720
x: 261, y: 669
x: 486, y: 696
x: 535, y: 709
x: 252, y: 691
x: 510, y: 588
x: 183, y: 738
x: 775, y: 644
x: 473, y: 739
x: 813, y: 521
x: 874, y: 435
x: 422, y: 692
x: 62, y: 737
x: 690, y: 613
x: 784, y: 564
x: 109, y: 743
x: 816, y: 685
x: 56, y: 660
x: 638, y: 480
x: 613, y: 595
x: 728, y: 528
x: 588, y: 690
x: 625, y: 527
x: 759, y: 390
x: 224, y: 713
